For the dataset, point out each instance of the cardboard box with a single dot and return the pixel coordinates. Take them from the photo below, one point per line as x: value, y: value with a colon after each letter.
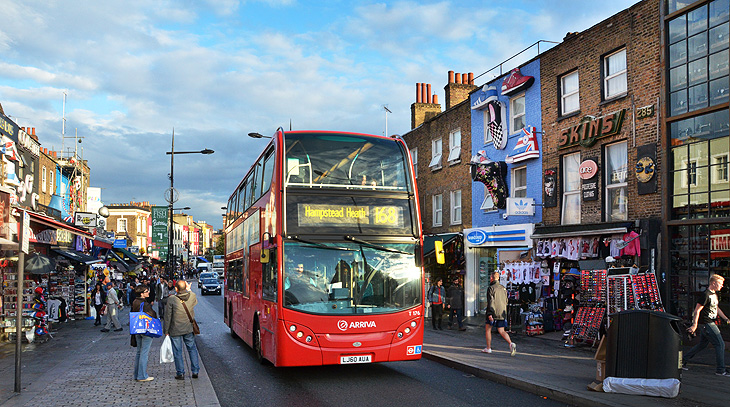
x: 600, y: 370
x: 601, y: 351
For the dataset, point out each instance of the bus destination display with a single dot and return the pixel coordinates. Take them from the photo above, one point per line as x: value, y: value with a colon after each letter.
x: 350, y: 215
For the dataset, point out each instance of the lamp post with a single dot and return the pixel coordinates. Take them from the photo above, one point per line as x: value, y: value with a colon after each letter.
x: 172, y: 198
x: 171, y: 240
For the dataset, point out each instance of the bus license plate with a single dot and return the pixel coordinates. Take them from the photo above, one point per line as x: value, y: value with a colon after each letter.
x: 346, y: 360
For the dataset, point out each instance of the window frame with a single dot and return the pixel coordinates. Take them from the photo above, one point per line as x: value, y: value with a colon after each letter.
x: 513, y: 184
x: 606, y: 77
x: 487, y: 197
x: 564, y: 96
x: 414, y: 159
x: 487, y: 133
x: 566, y: 193
x: 513, y: 117
x: 721, y: 162
x: 437, y: 213
x: 435, y: 163
x: 122, y: 229
x: 454, y: 146
x: 609, y: 185
x: 43, y: 179
x: 454, y: 219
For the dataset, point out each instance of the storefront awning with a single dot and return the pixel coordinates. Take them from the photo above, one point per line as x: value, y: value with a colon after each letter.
x: 57, y: 225
x: 203, y: 259
x: 117, y: 259
x: 78, y: 257
x: 610, y: 228
x: 428, y: 247
x: 126, y: 255
x: 103, y: 243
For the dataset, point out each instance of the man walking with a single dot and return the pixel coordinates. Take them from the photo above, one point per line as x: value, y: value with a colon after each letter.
x: 112, y: 308
x: 497, y: 313
x: 455, y: 304
x: 437, y: 296
x: 179, y: 327
x: 704, y: 316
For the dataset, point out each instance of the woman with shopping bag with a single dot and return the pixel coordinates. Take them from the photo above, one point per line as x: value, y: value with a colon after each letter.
x: 143, y: 342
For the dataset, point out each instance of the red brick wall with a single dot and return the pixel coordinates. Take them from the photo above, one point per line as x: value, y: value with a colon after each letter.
x: 636, y: 29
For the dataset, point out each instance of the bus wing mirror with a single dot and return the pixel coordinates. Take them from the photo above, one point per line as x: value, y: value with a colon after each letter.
x: 265, y: 256
x: 419, y: 255
x: 439, y: 249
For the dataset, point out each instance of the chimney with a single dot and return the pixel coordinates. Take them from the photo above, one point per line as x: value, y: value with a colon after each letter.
x: 426, y: 105
x: 458, y: 88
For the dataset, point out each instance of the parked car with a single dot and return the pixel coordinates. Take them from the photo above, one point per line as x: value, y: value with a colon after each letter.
x: 210, y: 285
x: 209, y: 274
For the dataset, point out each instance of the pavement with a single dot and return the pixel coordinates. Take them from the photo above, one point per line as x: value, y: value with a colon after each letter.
x: 82, y: 366
x: 544, y: 366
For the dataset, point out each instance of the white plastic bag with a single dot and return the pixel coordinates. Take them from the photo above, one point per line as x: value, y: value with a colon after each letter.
x: 166, y: 355
x: 668, y: 388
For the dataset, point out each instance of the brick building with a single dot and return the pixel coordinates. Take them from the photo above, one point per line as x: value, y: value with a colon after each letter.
x: 602, y: 145
x: 696, y: 123
x: 130, y: 221
x: 439, y: 143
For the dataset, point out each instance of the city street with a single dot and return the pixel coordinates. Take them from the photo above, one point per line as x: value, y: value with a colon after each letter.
x: 238, y: 379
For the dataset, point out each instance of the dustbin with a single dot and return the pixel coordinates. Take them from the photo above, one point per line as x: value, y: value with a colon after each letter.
x: 643, y: 344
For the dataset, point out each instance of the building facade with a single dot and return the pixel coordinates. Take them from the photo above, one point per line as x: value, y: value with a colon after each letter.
x: 129, y: 221
x: 696, y: 121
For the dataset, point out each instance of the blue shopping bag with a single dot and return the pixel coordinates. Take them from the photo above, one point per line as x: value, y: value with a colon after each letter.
x: 142, y: 324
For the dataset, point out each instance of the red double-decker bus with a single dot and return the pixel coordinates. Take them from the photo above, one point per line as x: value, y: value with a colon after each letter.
x: 323, y: 260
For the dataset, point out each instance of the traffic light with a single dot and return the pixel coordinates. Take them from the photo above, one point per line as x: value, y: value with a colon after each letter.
x: 438, y: 246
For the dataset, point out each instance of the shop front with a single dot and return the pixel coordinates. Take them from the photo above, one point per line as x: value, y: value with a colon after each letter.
x: 488, y: 249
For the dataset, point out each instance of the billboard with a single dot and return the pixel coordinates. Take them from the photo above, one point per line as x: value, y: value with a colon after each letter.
x: 159, y: 231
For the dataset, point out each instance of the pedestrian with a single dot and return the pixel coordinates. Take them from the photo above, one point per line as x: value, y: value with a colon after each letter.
x: 455, y: 304
x: 98, y: 299
x: 497, y: 313
x: 167, y: 290
x: 704, y: 316
x: 179, y: 311
x: 159, y: 291
x: 437, y: 296
x: 142, y: 342
x: 112, y: 308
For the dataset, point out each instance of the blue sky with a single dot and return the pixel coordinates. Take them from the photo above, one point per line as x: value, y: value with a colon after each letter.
x: 217, y: 70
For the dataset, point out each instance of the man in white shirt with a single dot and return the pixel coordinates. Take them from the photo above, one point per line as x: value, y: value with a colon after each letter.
x: 112, y: 307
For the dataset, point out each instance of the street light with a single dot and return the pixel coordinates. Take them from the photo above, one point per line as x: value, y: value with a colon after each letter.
x: 257, y: 135
x: 171, y: 198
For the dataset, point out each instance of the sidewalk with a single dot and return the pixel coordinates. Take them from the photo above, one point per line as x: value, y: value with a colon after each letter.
x: 544, y: 366
x: 82, y: 366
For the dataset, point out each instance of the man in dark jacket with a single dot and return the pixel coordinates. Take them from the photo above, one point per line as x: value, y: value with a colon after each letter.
x: 437, y: 296
x: 497, y: 313
x: 180, y: 328
x: 455, y: 303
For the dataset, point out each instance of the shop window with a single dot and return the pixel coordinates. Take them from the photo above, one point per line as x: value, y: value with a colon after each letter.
x: 455, y: 203
x: 454, y: 146
x: 437, y: 202
x: 414, y: 158
x: 121, y: 225
x: 517, y: 113
x: 614, y: 74
x: 571, y: 190
x: 616, y: 185
x: 569, y: 95
x: 698, y: 58
x: 435, y: 163
x: 488, y: 202
x: 519, y: 182
x: 487, y: 132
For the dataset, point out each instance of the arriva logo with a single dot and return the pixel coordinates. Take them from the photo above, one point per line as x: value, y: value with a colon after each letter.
x: 343, y: 326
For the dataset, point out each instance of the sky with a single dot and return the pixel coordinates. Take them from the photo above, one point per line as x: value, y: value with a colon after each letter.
x: 215, y: 70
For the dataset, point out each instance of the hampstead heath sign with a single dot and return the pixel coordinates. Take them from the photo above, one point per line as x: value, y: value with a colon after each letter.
x: 159, y: 231
x: 591, y: 129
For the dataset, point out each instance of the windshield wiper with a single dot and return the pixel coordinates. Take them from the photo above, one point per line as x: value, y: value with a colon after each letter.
x: 321, y: 245
x: 375, y: 246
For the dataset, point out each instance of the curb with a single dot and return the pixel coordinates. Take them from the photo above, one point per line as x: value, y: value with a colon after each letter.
x: 537, y: 389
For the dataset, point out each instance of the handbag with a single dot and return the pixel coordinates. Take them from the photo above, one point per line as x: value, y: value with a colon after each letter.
x: 103, y: 310
x: 196, y: 329
x: 140, y: 323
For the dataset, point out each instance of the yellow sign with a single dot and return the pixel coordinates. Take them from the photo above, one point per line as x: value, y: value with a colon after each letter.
x: 349, y: 215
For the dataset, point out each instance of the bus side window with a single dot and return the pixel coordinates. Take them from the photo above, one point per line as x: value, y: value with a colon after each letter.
x: 268, y: 277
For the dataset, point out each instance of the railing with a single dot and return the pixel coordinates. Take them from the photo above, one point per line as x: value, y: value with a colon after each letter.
x: 502, y: 64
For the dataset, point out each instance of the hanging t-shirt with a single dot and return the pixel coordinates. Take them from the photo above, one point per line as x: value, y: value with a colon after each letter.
x: 53, y: 309
x: 634, y: 246
x: 615, y: 251
x: 554, y: 244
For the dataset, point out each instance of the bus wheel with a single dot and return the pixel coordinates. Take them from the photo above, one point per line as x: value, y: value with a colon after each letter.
x: 257, y: 343
x: 230, y: 321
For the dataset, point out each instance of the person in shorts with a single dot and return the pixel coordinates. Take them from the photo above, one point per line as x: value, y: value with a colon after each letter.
x: 497, y: 313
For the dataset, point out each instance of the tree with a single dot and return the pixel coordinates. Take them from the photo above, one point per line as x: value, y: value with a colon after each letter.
x: 220, y: 245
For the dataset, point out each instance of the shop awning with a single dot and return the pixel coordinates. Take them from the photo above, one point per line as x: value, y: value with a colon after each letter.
x: 8, y: 244
x: 203, y: 259
x: 428, y: 247
x: 126, y: 255
x: 78, y: 257
x: 103, y: 243
x: 117, y: 259
x: 37, y: 218
x: 609, y: 228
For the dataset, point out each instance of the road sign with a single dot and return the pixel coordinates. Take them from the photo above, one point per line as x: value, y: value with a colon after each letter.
x: 171, y: 195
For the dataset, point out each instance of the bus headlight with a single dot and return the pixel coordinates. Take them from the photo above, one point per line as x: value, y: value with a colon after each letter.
x: 309, y: 339
x: 300, y: 334
x: 413, y: 324
x: 407, y: 330
x: 400, y: 335
x: 293, y: 328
